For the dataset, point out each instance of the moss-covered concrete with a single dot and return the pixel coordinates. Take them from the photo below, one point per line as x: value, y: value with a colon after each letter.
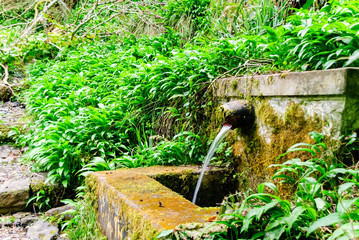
x: 288, y: 106
x: 132, y: 205
x: 216, y: 183
x: 255, y: 148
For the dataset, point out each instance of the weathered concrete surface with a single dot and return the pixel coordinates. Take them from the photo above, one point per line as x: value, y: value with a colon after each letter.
x: 342, y: 81
x: 287, y: 106
x: 132, y: 205
x: 331, y: 94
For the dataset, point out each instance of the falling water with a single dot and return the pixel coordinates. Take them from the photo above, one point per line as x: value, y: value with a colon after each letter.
x: 210, y: 153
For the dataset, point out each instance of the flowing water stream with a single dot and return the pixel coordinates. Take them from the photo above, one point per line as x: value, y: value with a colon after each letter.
x: 210, y: 153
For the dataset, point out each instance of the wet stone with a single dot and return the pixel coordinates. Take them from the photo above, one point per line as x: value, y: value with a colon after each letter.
x: 15, y: 180
x: 14, y: 195
x: 42, y: 230
x: 11, y: 112
x: 20, y: 219
x: 59, y: 211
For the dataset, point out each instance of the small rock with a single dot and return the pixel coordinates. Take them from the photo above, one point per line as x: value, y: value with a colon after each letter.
x: 59, y: 210
x: 14, y: 195
x: 63, y: 237
x: 28, y: 220
x: 20, y: 215
x: 42, y: 230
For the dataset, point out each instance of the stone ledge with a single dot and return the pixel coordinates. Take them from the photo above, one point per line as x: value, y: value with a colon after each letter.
x: 132, y: 205
x: 343, y: 81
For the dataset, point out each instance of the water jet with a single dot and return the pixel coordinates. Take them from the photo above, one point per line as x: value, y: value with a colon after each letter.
x: 237, y: 114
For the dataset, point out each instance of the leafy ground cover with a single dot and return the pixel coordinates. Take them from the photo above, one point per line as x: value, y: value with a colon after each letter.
x: 104, y: 95
x: 106, y: 99
x: 324, y: 204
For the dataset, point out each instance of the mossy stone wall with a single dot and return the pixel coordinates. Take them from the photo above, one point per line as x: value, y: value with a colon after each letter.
x: 132, y: 205
x: 287, y: 108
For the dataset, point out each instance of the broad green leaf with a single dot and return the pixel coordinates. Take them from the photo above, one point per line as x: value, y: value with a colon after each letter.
x: 344, y: 187
x: 164, y: 234
x: 320, y: 204
x: 329, y: 63
x: 344, y: 205
x: 274, y: 233
x: 352, y: 58
x: 260, y: 188
x: 308, y: 4
x: 293, y: 217
x: 348, y: 229
x: 328, y: 220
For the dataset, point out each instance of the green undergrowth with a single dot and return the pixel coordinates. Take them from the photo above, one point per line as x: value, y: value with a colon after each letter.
x: 121, y: 102
x: 83, y: 219
x: 316, y: 36
x: 324, y: 203
x: 103, y: 100
x: 127, y: 85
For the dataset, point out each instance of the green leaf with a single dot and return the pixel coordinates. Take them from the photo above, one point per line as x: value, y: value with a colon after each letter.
x: 312, y: 152
x: 293, y: 217
x: 344, y: 205
x: 316, y: 136
x: 330, y: 219
x: 329, y: 63
x: 344, y: 187
x: 100, y: 105
x: 351, y: 229
x: 352, y: 58
x: 271, y: 186
x: 164, y: 234
x: 320, y: 204
x: 275, y: 233
x: 260, y: 188
x: 308, y: 4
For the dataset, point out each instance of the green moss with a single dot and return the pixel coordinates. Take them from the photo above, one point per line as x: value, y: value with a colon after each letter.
x: 215, y: 123
x: 130, y: 202
x: 5, y: 93
x: 252, y: 154
x: 292, y: 128
x: 235, y: 84
x: 4, y: 131
x: 268, y: 116
x: 54, y: 192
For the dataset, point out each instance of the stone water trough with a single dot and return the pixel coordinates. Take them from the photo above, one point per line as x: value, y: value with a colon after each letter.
x: 140, y: 203
x: 136, y: 204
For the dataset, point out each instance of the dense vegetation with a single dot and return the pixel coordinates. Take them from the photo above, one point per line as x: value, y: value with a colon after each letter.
x: 98, y: 103
x: 125, y: 84
x: 324, y: 204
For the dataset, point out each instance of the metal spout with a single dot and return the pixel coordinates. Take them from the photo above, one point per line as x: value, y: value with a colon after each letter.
x: 238, y: 114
